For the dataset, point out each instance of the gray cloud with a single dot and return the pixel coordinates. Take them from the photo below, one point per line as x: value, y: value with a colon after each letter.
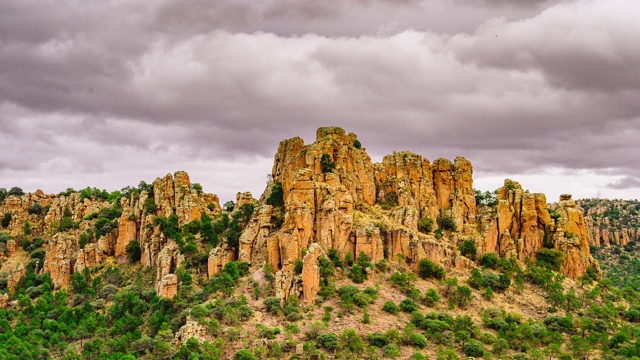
x: 109, y: 94
x: 626, y: 182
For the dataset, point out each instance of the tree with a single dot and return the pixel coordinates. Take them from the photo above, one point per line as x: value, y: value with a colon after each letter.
x: 461, y: 296
x: 468, y: 249
x: 327, y: 165
x: 133, y: 251
x: 357, y: 144
x: 229, y: 205
x: 3, y: 194
x: 15, y: 191
x: 27, y: 228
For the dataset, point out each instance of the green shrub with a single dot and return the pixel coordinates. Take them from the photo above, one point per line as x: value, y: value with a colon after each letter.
x: 407, y: 305
x: 149, y: 206
x: 357, y: 144
x: 390, y: 307
x: 377, y: 339
x: 6, y: 220
x: 391, y: 351
x: 445, y: 222
x: 35, y: 209
x: 431, y: 297
x: 473, y: 348
x: 328, y: 341
x: 133, y: 251
x: 489, y: 260
x: 276, y: 196
x: 244, y: 354
x: 425, y: 225
x: 327, y: 165
x: 297, y: 266
x: 468, y: 249
x: 428, y: 269
x: 549, y: 259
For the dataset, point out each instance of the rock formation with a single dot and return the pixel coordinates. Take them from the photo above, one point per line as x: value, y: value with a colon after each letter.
x: 172, y: 195
x: 333, y: 197
x: 611, y: 222
x: 525, y: 224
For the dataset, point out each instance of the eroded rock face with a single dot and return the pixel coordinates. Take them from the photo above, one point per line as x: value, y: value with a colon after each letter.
x: 320, y: 208
x: 572, y: 238
x: 611, y: 222
x: 172, y: 195
x: 524, y: 225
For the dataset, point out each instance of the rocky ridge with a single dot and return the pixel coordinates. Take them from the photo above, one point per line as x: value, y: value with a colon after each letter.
x: 611, y: 222
x: 333, y: 197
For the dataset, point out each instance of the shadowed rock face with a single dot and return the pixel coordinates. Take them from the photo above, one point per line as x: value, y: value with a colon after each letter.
x: 353, y: 206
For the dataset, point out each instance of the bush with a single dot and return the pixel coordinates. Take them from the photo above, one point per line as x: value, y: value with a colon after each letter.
x: 377, y: 339
x: 328, y: 341
x: 431, y: 297
x: 390, y: 307
x: 149, y: 206
x: 427, y: 269
x: 276, y: 196
x: 468, y: 249
x: 407, y: 305
x: 445, y: 222
x: 327, y: 165
x: 473, y: 348
x: 297, y: 267
x: 549, y: 259
x: 357, y: 144
x: 425, y: 225
x: 133, y: 251
x: 489, y: 260
x: 244, y: 354
x: 35, y: 209
x: 391, y: 351
x: 418, y: 340
x: 6, y: 220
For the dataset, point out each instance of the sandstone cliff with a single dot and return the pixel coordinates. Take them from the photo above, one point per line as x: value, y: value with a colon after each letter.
x: 356, y: 206
x: 322, y: 197
x: 60, y: 222
x: 524, y: 224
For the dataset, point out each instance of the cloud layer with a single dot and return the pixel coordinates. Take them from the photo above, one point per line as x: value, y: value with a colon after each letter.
x: 109, y: 93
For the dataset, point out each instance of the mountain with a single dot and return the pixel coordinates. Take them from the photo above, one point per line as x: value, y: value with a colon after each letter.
x: 162, y: 270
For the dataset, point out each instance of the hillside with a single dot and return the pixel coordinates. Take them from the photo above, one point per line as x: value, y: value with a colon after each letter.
x: 339, y: 258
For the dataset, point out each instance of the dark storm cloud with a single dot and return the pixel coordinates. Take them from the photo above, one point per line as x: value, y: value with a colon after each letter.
x: 95, y: 87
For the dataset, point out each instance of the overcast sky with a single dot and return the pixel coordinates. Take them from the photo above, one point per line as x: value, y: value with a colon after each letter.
x: 108, y: 93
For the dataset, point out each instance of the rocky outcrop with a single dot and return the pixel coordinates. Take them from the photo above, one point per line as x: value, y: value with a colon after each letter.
x: 334, y: 197
x: 611, y: 222
x: 311, y: 273
x: 172, y: 195
x: 572, y: 238
x: 322, y: 202
x: 525, y: 224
